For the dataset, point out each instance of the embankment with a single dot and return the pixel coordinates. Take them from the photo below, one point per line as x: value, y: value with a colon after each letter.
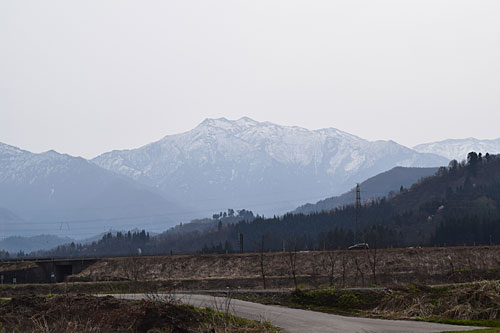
x: 386, y: 267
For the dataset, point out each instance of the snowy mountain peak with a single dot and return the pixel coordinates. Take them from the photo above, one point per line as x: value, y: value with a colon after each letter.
x: 18, y: 166
x: 244, y: 163
x: 226, y: 124
x: 247, y: 128
x: 8, y: 150
x: 459, y: 148
x: 52, y: 155
x: 12, y: 152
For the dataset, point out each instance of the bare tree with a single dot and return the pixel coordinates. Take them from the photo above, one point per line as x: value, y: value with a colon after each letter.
x: 420, y: 269
x: 262, y: 262
x: 483, y: 264
x: 329, y: 260
x: 470, y: 266
x: 314, y: 272
x: 373, y: 260
x: 167, y: 270
x: 452, y: 268
x: 344, y: 268
x: 133, y: 268
x: 474, y: 262
x: 357, y: 263
x: 292, y: 264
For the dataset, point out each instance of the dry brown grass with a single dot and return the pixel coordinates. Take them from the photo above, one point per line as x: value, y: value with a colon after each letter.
x: 107, y: 314
x: 394, y: 267
x: 474, y: 301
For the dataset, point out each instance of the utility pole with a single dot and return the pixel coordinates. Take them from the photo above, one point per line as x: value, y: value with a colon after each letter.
x: 358, y: 208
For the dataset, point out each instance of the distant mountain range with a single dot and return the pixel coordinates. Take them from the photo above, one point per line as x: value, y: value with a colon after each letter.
x: 14, y: 244
x: 373, y: 188
x: 259, y: 166
x: 459, y: 148
x: 60, y: 194
x: 220, y: 164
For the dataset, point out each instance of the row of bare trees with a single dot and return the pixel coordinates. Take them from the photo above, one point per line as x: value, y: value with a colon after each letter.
x: 359, y: 267
x: 359, y: 260
x: 331, y: 263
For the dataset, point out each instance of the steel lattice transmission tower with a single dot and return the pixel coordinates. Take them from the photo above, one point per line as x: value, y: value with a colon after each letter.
x: 358, y: 209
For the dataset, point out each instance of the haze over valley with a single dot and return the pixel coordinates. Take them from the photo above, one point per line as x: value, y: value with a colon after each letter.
x: 243, y: 164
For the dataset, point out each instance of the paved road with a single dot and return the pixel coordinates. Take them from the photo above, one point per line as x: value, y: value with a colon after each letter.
x: 301, y: 321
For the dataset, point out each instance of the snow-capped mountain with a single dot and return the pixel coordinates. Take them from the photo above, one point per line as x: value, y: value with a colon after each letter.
x: 459, y: 148
x: 259, y: 165
x: 62, y: 194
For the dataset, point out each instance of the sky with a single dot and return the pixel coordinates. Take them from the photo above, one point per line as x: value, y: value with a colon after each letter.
x: 86, y: 77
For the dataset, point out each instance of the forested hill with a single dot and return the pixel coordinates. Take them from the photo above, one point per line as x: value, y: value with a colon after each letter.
x: 379, y: 186
x: 459, y: 205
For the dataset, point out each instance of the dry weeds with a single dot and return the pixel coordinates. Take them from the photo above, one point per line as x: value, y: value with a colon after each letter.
x: 107, y: 314
x: 393, y: 267
x: 474, y: 301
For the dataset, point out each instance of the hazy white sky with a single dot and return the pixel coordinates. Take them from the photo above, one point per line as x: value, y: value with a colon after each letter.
x: 84, y: 77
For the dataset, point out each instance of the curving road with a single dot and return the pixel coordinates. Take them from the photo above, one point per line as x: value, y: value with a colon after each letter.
x: 300, y: 321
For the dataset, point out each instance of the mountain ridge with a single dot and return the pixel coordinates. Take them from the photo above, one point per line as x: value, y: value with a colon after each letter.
x: 247, y: 159
x: 459, y: 148
x: 261, y: 166
x: 14, y: 244
x: 59, y: 193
